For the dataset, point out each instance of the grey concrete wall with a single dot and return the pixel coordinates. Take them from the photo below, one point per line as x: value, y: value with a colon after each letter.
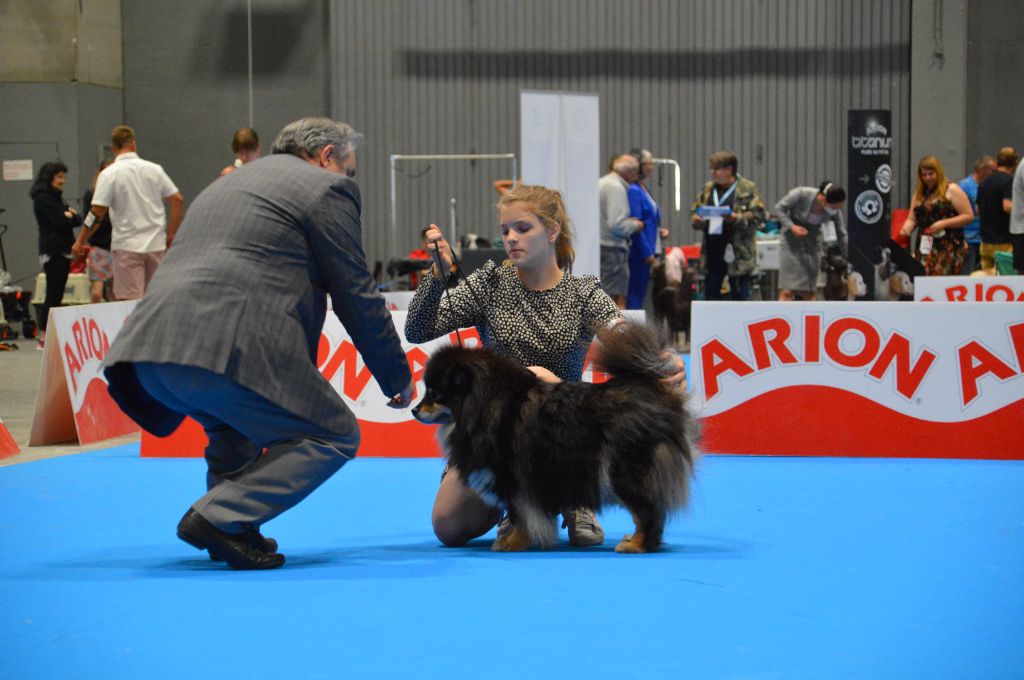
x: 938, y: 81
x: 415, y: 74
x: 37, y: 41
x: 995, y: 77
x: 771, y: 81
x: 46, y: 122
x: 61, y: 41
x: 186, y: 78
x: 98, y: 47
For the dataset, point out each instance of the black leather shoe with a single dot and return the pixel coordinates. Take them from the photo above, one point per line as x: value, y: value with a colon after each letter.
x: 256, y: 540
x: 235, y: 549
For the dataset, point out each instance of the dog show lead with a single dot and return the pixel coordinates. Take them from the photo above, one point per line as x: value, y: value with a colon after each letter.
x: 532, y: 309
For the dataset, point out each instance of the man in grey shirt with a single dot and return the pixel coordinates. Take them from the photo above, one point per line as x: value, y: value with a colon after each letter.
x: 617, y: 226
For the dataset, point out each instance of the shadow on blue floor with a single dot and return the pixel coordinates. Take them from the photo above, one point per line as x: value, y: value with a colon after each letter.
x: 782, y: 568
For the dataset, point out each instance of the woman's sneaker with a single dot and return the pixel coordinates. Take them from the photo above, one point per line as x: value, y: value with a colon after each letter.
x: 584, y: 529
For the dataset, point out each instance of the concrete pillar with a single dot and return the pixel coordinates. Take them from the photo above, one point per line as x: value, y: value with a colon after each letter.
x: 938, y: 86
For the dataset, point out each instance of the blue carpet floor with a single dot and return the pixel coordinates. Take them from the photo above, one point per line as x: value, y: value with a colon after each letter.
x: 782, y: 568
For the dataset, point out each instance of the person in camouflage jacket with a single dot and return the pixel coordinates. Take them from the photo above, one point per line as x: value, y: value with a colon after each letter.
x: 734, y: 251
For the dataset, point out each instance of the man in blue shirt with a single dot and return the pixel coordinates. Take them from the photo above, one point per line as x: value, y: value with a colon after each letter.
x: 983, y: 167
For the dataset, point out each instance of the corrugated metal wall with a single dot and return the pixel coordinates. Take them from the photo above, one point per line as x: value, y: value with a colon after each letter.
x: 768, y: 79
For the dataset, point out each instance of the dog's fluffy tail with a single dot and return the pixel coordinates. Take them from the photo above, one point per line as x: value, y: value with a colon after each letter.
x: 633, y: 350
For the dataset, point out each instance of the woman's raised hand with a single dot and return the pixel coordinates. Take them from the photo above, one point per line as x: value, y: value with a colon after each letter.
x: 435, y: 241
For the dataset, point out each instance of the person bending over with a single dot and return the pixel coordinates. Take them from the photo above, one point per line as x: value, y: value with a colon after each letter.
x: 218, y: 339
x: 810, y: 219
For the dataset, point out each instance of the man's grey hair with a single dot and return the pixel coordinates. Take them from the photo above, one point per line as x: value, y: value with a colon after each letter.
x: 307, y: 136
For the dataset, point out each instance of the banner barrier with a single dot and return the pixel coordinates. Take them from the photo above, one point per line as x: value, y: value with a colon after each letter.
x: 942, y: 380
x: 969, y: 289
x: 8, y: 447
x: 72, y: 403
x: 384, y: 431
x: 398, y: 301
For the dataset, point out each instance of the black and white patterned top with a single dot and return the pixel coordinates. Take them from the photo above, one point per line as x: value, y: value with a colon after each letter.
x: 550, y: 328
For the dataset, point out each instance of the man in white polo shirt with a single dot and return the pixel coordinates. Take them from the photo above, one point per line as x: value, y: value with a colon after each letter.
x: 135, y: 191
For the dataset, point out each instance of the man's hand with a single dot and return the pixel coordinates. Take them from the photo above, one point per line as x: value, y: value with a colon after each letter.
x: 675, y: 373
x: 544, y: 374
x: 403, y: 398
x: 798, y: 231
x: 78, y: 250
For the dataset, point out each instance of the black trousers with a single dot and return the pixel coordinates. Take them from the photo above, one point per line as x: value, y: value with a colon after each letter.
x: 56, y: 269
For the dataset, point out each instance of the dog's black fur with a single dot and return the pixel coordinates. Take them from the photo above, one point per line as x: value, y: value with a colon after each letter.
x: 834, y: 265
x: 537, y: 448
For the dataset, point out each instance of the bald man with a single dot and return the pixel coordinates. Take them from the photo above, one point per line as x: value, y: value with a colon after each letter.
x: 617, y: 227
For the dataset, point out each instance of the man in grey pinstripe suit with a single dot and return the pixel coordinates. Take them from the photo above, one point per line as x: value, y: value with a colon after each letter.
x: 228, y: 333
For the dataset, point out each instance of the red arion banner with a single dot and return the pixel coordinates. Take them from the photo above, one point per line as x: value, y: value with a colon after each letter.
x: 72, y: 402
x: 969, y: 288
x: 937, y: 380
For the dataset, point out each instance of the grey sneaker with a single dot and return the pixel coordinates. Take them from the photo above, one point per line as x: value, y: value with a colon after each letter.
x: 584, y: 529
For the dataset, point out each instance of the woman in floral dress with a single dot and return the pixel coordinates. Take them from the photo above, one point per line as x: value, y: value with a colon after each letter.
x: 939, y: 210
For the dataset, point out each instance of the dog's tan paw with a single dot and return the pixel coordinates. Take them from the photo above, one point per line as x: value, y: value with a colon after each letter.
x: 631, y: 543
x: 629, y: 547
x: 516, y: 541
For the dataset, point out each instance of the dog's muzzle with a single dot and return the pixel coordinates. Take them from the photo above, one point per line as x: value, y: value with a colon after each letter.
x: 431, y: 413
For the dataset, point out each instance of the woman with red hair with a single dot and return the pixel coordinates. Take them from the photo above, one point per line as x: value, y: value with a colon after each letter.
x: 939, y: 210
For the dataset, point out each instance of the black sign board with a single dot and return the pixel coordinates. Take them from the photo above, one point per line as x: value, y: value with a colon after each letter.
x: 869, y: 182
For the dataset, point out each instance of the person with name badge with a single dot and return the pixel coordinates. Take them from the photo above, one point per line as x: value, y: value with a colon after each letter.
x: 729, y: 211
x: 939, y: 211
x: 810, y: 219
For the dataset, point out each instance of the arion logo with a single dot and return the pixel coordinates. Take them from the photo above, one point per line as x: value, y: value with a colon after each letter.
x: 855, y: 343
x: 88, y: 345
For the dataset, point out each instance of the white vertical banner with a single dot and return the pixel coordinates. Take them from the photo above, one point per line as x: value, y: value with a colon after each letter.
x: 560, y: 137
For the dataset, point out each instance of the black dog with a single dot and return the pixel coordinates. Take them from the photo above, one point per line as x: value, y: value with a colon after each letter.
x: 537, y: 448
x: 835, y: 267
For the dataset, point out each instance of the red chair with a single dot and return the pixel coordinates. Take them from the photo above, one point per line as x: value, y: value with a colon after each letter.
x: 899, y: 216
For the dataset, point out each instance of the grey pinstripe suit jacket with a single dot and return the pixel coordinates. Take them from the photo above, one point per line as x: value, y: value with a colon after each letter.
x: 242, y: 292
